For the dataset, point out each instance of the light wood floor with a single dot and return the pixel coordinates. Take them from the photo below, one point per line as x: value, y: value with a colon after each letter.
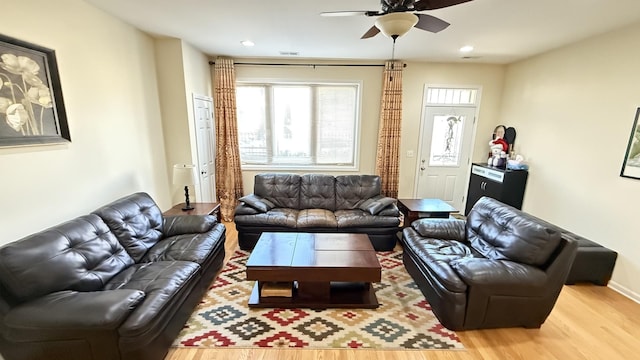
x: 588, y: 322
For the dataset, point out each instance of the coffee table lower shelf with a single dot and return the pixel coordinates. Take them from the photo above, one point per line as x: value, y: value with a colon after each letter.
x: 339, y: 295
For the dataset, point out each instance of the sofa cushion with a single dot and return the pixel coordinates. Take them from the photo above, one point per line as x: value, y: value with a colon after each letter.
x: 318, y: 191
x: 376, y: 204
x: 309, y: 218
x: 136, y: 221
x: 359, y: 218
x: 165, y: 284
x: 501, y: 232
x: 275, y: 217
x: 258, y: 203
x: 195, y: 247
x: 81, y: 254
x: 353, y: 190
x: 283, y: 190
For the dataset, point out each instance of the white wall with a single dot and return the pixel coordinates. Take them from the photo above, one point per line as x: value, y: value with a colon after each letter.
x: 108, y: 78
x: 573, y: 109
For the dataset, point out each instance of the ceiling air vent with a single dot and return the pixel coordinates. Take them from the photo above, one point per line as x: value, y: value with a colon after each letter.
x: 289, y: 53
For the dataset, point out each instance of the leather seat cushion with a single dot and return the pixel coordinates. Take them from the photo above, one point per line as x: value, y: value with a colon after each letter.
x: 187, y: 247
x: 359, y: 218
x: 284, y: 217
x: 165, y: 284
x: 309, y: 218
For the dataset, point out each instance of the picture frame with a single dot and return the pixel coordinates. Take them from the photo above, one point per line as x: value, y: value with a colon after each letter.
x: 631, y: 163
x: 32, y: 110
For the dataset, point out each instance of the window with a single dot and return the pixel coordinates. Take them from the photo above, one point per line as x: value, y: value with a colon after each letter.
x: 297, y: 125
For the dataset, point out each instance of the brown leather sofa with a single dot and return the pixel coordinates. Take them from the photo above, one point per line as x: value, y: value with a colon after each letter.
x: 317, y: 203
x: 118, y: 283
x: 499, y: 268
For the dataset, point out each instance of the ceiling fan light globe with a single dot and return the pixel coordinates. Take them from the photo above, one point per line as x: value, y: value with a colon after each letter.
x: 396, y: 24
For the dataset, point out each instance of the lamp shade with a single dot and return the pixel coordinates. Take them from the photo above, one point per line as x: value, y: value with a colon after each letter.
x: 184, y: 174
x: 396, y: 24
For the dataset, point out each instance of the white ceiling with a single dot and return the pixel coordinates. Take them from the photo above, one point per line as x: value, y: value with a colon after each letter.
x: 502, y: 31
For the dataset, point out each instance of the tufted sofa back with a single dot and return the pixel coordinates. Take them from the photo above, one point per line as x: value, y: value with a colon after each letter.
x: 318, y: 191
x: 353, y: 190
x: 80, y: 255
x: 136, y: 221
x: 283, y: 190
x: 501, y: 232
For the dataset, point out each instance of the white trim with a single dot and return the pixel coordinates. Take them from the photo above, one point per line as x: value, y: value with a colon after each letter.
x: 624, y: 291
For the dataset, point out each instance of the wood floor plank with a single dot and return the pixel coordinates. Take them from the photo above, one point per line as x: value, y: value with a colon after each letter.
x: 588, y: 322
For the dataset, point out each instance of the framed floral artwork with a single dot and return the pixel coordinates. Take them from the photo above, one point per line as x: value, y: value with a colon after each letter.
x: 631, y: 163
x: 31, y: 106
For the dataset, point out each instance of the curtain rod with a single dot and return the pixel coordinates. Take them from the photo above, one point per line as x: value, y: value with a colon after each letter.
x: 310, y: 65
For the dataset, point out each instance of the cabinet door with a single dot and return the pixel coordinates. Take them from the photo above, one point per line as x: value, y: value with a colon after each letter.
x: 493, y: 189
x: 476, y: 186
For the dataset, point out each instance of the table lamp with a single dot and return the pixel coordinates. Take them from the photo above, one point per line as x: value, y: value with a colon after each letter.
x: 185, y: 175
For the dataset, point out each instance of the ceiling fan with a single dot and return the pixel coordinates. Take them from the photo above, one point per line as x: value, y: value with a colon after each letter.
x: 397, y: 17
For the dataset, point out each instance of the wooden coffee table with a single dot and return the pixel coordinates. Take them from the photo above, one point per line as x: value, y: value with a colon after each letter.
x: 324, y: 270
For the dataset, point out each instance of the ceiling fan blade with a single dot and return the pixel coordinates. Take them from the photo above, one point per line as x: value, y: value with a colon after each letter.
x: 371, y: 32
x: 435, y: 4
x: 343, y: 13
x: 431, y: 23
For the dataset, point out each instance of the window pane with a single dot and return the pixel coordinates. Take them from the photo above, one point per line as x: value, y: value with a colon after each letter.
x: 292, y: 124
x: 336, y: 124
x: 300, y: 125
x: 446, y: 140
x: 252, y: 125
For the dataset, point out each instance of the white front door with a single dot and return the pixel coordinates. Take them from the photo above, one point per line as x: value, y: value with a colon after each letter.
x: 206, y: 144
x: 444, y: 159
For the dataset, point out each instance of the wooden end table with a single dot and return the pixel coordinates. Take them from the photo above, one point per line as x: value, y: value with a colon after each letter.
x: 324, y: 270
x: 198, y: 209
x: 414, y: 209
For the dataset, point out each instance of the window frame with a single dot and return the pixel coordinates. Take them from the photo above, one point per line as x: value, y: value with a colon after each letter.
x: 269, y: 83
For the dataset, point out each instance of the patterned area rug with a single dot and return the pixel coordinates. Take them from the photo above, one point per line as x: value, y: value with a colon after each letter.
x: 403, y: 321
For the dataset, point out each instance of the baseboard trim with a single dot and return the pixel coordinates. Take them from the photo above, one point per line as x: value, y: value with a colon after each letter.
x: 624, y: 291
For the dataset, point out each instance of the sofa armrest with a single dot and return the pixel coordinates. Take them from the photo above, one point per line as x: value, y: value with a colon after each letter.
x: 66, y: 314
x: 445, y: 229
x: 508, y: 277
x: 189, y: 224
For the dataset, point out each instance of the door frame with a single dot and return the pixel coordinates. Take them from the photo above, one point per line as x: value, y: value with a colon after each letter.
x: 467, y: 173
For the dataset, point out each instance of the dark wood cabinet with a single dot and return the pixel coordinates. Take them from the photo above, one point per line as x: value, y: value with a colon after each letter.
x: 506, y: 186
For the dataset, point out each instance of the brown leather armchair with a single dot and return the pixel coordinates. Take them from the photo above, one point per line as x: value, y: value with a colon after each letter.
x: 499, y: 268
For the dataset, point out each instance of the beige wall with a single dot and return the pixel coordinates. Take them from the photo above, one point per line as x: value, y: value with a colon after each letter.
x: 182, y: 71
x: 418, y: 74
x: 415, y: 76
x: 107, y: 71
x: 573, y: 109
x: 369, y: 77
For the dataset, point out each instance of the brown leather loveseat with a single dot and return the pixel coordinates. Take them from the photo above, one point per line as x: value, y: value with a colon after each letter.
x: 499, y: 268
x: 118, y: 283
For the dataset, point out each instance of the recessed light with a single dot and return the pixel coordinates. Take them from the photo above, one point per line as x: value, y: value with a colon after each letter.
x: 247, y: 43
x: 466, y: 49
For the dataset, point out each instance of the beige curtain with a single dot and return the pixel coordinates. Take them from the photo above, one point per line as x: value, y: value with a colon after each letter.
x: 228, y: 174
x: 388, y: 153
